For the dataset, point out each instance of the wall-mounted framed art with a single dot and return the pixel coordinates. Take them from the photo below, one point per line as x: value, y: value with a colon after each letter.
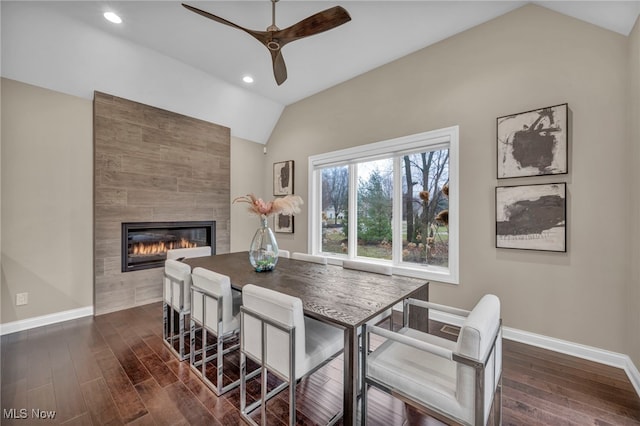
x: 533, y: 143
x: 283, y: 223
x: 532, y: 217
x: 283, y: 178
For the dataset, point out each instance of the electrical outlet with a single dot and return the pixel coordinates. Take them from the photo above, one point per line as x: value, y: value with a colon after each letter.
x: 22, y: 298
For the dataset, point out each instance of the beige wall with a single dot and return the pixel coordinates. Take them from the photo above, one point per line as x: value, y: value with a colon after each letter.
x: 527, y: 59
x: 247, y: 175
x: 47, y: 237
x: 633, y: 300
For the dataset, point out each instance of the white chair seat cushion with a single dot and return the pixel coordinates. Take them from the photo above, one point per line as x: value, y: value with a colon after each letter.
x: 314, y: 341
x: 428, y: 378
x: 181, y: 272
x: 187, y: 253
x: 309, y: 258
x: 230, y: 323
x: 474, y: 341
x: 284, y: 253
x: 367, y: 267
x: 237, y: 301
x: 323, y: 341
x: 227, y: 327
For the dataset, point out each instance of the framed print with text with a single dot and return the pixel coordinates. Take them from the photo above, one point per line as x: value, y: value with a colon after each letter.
x: 532, y: 217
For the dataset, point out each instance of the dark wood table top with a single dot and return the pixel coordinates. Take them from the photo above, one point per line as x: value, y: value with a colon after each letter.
x: 330, y: 293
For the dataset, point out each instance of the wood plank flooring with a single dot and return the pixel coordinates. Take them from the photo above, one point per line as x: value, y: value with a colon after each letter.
x: 114, y: 369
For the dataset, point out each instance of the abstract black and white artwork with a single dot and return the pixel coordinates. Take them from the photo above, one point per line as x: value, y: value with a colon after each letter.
x: 283, y: 178
x: 532, y: 217
x: 533, y: 143
x: 283, y: 223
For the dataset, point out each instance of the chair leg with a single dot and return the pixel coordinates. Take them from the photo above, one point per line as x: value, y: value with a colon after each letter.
x: 363, y: 405
x: 243, y: 382
x: 263, y: 395
x: 182, y: 348
x: 165, y: 321
x: 220, y: 359
x: 172, y: 325
x: 498, y: 417
x: 292, y: 401
x: 205, y: 345
x: 192, y: 342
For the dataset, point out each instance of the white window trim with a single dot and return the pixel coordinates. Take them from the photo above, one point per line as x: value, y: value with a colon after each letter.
x: 428, y: 141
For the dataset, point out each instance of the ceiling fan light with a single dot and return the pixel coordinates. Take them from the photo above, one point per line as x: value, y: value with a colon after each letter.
x: 112, y: 17
x: 247, y: 79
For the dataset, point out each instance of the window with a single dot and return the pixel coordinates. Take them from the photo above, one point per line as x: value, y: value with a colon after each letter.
x: 393, y: 201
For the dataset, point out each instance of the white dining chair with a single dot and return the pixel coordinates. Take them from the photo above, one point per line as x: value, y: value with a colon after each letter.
x: 314, y: 258
x: 186, y: 253
x: 283, y: 253
x: 214, y: 311
x: 453, y: 381
x: 359, y: 265
x: 375, y: 268
x: 276, y: 334
x: 176, y: 303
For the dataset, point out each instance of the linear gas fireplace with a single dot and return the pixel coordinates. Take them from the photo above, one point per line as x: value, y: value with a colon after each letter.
x: 145, y: 244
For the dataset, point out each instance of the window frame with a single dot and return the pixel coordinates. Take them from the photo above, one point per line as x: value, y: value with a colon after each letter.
x: 395, y: 148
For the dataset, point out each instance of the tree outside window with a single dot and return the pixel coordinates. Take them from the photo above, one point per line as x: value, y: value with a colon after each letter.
x: 389, y: 202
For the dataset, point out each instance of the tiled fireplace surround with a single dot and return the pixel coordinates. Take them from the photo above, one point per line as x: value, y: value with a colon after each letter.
x: 151, y: 165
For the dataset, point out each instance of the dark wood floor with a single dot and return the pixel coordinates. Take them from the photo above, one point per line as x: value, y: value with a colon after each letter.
x: 114, y: 369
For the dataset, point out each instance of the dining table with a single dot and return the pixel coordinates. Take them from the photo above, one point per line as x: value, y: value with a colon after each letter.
x: 341, y: 297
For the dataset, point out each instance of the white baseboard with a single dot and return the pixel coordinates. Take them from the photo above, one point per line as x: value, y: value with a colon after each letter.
x: 590, y: 353
x: 26, y: 324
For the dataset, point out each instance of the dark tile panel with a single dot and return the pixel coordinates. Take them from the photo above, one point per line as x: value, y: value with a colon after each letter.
x: 151, y: 165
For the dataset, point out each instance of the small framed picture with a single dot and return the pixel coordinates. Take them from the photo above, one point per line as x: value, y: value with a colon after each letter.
x: 283, y: 178
x: 283, y: 223
x: 533, y: 143
x: 532, y: 217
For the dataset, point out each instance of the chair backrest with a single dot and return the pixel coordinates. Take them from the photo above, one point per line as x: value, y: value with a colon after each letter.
x: 186, y: 253
x: 283, y: 253
x: 475, y: 341
x: 309, y: 258
x: 176, y: 272
x: 220, y: 286
x: 367, y: 267
x: 283, y: 309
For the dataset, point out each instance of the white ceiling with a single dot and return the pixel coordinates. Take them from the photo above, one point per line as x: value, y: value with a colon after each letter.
x: 380, y: 32
x: 166, y: 56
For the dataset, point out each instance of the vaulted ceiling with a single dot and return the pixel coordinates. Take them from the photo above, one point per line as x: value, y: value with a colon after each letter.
x: 197, y: 50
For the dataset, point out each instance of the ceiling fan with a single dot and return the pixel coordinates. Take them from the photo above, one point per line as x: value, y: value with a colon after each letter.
x: 274, y: 38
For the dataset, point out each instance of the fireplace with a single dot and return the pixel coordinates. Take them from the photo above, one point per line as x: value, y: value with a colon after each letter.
x: 145, y: 244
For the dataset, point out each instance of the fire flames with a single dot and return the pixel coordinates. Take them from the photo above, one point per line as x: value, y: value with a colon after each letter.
x: 145, y: 249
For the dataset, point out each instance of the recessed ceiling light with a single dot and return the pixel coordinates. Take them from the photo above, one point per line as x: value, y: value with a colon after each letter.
x: 112, y: 17
x: 247, y: 79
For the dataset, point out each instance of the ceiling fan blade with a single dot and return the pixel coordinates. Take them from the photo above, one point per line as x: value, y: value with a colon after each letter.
x: 274, y: 39
x: 314, y: 24
x: 279, y: 67
x: 261, y: 36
